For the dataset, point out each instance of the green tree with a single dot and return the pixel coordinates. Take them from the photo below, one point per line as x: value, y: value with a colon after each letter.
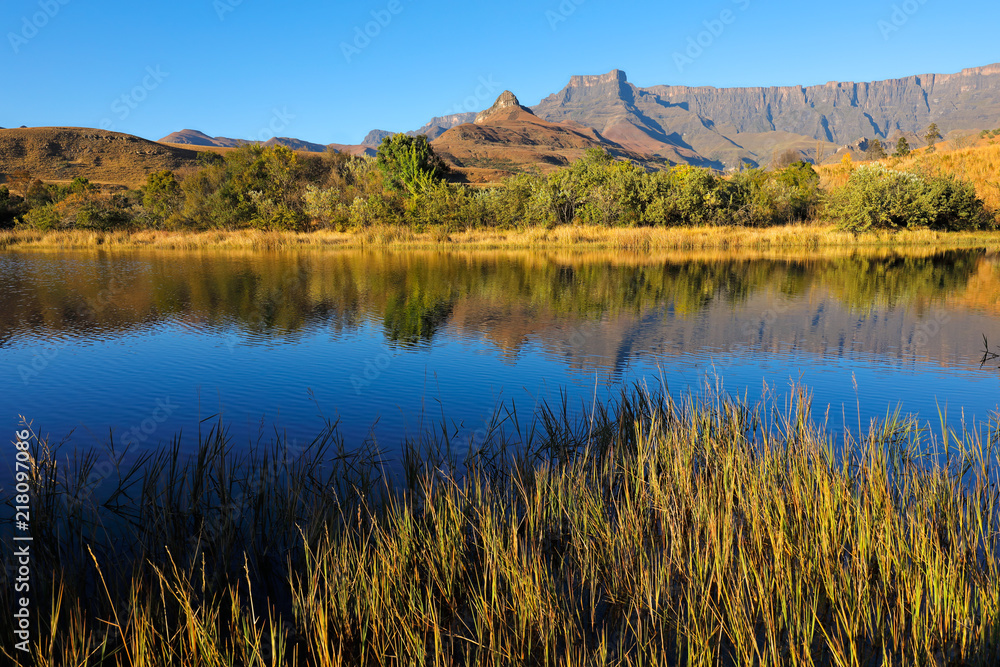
x: 161, y: 196
x: 81, y: 185
x: 933, y: 135
x: 875, y: 150
x: 409, y: 163
x: 902, y: 147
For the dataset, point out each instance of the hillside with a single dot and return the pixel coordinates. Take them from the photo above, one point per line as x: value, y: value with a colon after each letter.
x: 63, y: 153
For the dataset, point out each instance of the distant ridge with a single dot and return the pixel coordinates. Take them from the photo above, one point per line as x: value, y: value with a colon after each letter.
x: 375, y: 137
x: 724, y: 126
x: 197, y: 138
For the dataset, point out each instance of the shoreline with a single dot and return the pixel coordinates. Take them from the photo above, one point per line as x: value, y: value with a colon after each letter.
x: 577, y: 237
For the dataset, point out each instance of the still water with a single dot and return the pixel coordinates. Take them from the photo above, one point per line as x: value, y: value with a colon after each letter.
x: 146, y: 346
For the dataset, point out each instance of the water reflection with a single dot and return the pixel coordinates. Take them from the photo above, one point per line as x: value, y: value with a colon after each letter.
x: 466, y: 327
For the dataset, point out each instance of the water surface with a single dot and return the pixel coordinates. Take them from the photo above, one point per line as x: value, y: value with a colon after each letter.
x: 143, y: 345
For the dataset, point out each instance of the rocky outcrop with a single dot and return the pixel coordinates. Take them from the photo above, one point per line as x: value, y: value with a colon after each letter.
x: 505, y: 108
x: 375, y: 137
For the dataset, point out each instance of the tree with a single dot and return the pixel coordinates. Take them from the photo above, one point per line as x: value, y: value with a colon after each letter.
x: 409, y: 163
x: 875, y: 151
x: 161, y: 196
x: 902, y: 147
x: 933, y: 135
x: 786, y: 159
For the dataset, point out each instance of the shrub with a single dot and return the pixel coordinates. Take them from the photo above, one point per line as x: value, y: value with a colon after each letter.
x: 11, y: 206
x: 43, y: 218
x: 878, y: 198
x: 161, y: 197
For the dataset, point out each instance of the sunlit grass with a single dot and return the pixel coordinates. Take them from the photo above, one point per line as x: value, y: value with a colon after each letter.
x: 978, y: 163
x: 651, y: 532
x: 632, y: 239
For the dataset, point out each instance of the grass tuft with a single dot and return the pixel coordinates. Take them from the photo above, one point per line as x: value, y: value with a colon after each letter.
x: 652, y: 531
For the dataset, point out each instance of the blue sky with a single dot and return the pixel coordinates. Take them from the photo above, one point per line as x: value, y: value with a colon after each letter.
x: 252, y: 69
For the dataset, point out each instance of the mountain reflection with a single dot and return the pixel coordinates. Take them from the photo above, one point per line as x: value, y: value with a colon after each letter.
x: 502, y: 296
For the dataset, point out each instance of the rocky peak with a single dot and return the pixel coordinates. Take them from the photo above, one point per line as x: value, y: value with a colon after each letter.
x: 375, y: 137
x: 615, y: 77
x: 505, y: 105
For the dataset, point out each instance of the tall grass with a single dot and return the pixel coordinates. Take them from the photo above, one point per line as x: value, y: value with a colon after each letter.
x: 631, y: 239
x: 650, y: 531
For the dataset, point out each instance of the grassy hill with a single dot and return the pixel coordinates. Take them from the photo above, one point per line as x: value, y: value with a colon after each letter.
x: 61, y: 154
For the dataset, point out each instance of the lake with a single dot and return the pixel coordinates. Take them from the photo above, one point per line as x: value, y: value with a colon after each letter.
x: 143, y: 346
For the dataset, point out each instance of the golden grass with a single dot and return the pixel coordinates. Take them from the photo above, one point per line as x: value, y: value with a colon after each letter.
x: 638, y: 239
x: 979, y: 164
x: 651, y: 533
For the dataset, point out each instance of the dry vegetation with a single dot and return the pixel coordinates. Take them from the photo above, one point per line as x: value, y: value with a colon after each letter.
x: 652, y: 533
x: 978, y: 163
x: 583, y: 236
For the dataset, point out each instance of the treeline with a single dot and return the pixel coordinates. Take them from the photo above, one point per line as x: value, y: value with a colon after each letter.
x: 273, y: 188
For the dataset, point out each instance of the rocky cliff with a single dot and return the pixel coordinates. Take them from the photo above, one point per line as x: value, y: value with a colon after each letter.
x: 726, y: 125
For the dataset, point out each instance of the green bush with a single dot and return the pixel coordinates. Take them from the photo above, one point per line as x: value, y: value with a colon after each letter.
x: 43, y: 218
x: 878, y: 198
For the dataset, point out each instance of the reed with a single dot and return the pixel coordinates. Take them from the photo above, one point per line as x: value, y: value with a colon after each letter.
x: 648, y: 531
x: 593, y: 237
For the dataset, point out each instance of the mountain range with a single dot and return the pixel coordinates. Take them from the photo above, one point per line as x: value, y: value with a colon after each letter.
x: 719, y: 128
x: 722, y: 127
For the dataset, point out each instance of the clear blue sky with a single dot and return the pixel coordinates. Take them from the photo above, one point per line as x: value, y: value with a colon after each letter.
x: 250, y: 68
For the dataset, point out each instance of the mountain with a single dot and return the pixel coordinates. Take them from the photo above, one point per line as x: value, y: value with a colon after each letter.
x: 196, y: 138
x: 63, y: 153
x: 722, y: 126
x: 352, y: 149
x: 375, y: 137
x: 441, y: 124
x: 505, y: 108
x: 296, y: 144
x: 508, y: 138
